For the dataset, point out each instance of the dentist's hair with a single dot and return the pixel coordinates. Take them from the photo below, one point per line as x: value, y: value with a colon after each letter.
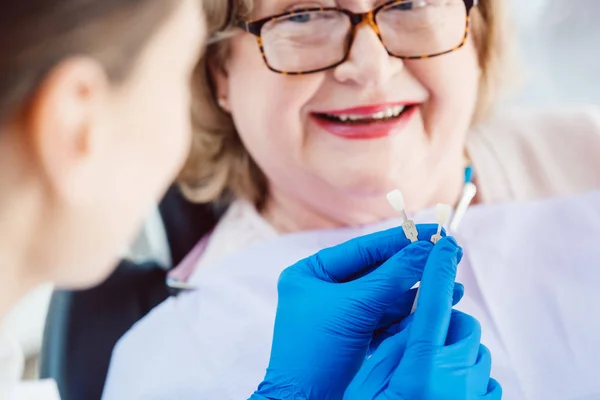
x: 37, y: 35
x: 219, y: 168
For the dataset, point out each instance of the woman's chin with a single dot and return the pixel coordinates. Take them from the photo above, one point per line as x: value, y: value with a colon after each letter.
x: 363, y: 204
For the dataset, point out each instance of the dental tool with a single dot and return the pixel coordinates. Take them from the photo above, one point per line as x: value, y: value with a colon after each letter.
x: 442, y: 214
x: 396, y: 200
x: 468, y: 193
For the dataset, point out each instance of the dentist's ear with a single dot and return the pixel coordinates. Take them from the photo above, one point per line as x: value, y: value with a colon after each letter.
x: 64, y: 126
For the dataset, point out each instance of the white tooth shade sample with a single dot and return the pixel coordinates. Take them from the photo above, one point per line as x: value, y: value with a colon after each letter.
x: 442, y: 215
x: 396, y: 200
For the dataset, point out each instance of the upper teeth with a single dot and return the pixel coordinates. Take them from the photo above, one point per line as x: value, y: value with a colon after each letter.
x: 388, y: 113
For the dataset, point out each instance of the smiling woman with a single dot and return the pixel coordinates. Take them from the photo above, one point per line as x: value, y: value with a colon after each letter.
x: 221, y: 160
x: 303, y: 129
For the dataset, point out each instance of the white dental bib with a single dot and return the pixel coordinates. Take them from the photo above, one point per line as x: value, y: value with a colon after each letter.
x: 531, y: 277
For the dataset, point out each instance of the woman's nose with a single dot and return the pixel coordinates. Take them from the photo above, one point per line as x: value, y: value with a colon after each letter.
x: 368, y: 63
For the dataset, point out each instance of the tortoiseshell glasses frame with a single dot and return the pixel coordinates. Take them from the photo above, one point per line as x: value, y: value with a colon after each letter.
x: 255, y: 27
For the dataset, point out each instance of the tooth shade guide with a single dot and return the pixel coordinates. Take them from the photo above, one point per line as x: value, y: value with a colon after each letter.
x: 396, y: 200
x: 410, y: 230
x: 469, y: 192
x: 414, y: 306
x: 442, y: 214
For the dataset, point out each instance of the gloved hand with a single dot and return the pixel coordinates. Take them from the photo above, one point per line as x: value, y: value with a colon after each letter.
x: 436, y: 355
x: 329, y: 306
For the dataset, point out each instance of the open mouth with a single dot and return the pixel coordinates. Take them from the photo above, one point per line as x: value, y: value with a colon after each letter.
x: 387, y: 115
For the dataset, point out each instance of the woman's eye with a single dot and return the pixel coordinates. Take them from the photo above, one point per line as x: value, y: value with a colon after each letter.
x: 300, y: 17
x: 407, y: 6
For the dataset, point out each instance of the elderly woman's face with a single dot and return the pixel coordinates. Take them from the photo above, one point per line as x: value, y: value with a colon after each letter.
x: 340, y: 139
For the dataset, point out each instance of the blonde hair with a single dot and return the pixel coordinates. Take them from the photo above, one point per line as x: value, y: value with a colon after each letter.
x: 219, y: 168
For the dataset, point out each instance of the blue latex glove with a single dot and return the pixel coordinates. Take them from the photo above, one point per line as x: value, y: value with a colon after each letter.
x: 437, y: 354
x: 329, y: 306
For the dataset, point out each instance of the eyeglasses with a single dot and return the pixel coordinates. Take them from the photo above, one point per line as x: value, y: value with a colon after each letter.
x: 309, y: 40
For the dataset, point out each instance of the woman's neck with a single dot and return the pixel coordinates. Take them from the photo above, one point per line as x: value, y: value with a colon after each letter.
x: 14, y: 282
x: 19, y: 223
x: 288, y: 213
x: 12, y: 287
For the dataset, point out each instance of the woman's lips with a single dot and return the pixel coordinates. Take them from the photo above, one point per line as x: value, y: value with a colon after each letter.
x: 373, y: 129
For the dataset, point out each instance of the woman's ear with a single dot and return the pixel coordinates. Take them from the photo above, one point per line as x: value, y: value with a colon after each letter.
x: 218, y: 75
x: 64, y: 125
